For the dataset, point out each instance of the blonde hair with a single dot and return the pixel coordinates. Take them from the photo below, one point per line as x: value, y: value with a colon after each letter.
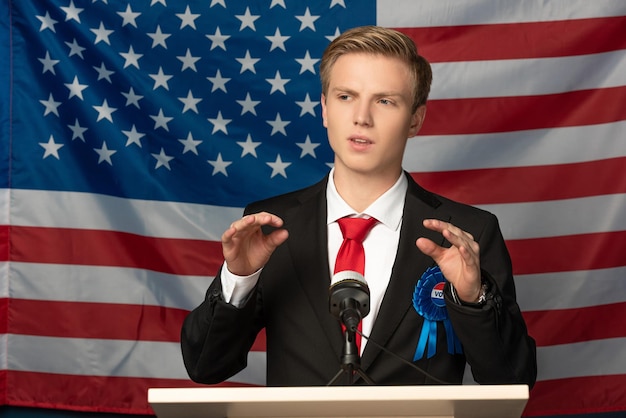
x: 380, y: 41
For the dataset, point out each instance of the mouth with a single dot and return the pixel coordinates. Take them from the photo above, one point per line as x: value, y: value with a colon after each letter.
x: 359, y: 140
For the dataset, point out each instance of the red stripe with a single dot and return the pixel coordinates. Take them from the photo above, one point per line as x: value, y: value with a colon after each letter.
x: 113, y: 321
x: 121, y: 395
x: 112, y: 248
x: 589, y: 394
x: 4, y: 243
x: 528, y: 184
x: 600, y: 250
x: 589, y: 323
x: 96, y: 320
x: 520, y: 40
x: 4, y: 315
x: 517, y: 113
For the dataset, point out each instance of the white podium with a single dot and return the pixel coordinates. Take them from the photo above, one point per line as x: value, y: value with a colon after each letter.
x: 466, y: 401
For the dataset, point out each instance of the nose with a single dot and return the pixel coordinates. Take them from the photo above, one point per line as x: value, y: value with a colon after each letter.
x: 362, y: 114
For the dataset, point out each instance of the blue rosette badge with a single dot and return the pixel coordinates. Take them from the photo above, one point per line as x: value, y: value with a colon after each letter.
x: 429, y: 302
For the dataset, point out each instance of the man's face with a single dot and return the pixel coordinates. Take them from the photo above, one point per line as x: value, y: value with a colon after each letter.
x: 367, y: 113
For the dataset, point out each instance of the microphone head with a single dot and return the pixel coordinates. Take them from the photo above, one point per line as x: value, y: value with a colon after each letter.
x: 349, y: 290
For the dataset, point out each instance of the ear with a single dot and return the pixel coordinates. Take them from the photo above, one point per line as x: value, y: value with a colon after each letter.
x: 417, y: 119
x: 323, y: 101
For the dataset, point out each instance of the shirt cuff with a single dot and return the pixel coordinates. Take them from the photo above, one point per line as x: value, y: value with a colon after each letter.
x: 235, y: 288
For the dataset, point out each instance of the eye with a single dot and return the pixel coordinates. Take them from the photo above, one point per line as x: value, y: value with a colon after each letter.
x: 385, y: 101
x: 343, y: 97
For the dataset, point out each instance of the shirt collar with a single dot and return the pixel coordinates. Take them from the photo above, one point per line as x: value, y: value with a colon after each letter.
x: 387, y: 209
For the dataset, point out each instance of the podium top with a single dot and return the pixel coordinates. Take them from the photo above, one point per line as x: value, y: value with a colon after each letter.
x: 464, y: 401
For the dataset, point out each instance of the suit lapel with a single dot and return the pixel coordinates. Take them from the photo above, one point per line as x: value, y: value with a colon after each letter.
x: 409, y: 265
x: 310, y: 258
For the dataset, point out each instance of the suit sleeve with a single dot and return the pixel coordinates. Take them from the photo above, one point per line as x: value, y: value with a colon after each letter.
x: 494, y: 336
x: 216, y: 336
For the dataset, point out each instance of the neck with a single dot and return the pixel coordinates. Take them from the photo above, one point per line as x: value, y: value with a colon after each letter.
x: 361, y: 190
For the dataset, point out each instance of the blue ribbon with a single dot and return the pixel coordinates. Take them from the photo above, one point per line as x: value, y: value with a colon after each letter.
x: 428, y: 301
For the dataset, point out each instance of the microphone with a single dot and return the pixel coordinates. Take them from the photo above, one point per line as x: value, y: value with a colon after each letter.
x: 349, y: 299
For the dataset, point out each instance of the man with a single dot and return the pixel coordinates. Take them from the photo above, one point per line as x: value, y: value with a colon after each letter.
x: 280, y: 255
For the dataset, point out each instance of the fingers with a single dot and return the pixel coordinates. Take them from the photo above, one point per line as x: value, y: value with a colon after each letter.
x: 250, y: 224
x: 463, y: 241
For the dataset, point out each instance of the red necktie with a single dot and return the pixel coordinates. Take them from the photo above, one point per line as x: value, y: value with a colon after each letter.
x: 351, y: 255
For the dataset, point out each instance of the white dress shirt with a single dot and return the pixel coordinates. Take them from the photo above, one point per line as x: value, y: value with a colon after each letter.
x: 381, y: 246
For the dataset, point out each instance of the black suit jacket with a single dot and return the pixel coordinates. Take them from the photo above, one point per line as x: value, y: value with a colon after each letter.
x: 304, y: 341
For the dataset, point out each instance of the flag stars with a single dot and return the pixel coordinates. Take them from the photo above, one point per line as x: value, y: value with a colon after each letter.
x: 163, y: 160
x: 218, y: 40
x: 104, y: 73
x: 278, y: 167
x: 219, y: 82
x: 248, y: 105
x: 102, y: 34
x: 75, y: 49
x: 334, y: 36
x: 307, y: 63
x: 307, y: 147
x: 187, y: 18
x: 278, y: 125
x: 190, y: 102
x: 131, y: 58
x: 307, y: 106
x: 247, y: 20
x: 161, y: 121
x: 160, y: 79
x: 48, y: 64
x: 248, y: 147
x: 104, y: 153
x: 51, y: 148
x: 219, y: 165
x: 133, y: 136
x: 76, y: 89
x: 77, y: 131
x: 47, y: 23
x: 247, y: 63
x: 51, y: 105
x: 219, y: 123
x: 278, y: 83
x: 105, y: 111
x: 128, y: 16
x: 277, y: 40
x: 159, y: 38
x: 307, y: 20
x: 188, y: 61
x: 72, y: 12
x: 337, y: 2
x: 132, y: 98
x: 190, y: 144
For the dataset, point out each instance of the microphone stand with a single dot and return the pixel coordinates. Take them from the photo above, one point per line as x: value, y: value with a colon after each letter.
x: 350, y: 358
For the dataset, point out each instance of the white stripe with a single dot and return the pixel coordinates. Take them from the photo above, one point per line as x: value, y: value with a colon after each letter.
x: 586, y: 215
x: 4, y: 206
x: 590, y: 358
x: 571, y: 289
x: 3, y: 351
x: 121, y: 358
x: 528, y: 77
x: 430, y: 13
x: 97, y: 357
x: 515, y: 149
x: 152, y: 218
x: 254, y: 373
x: 95, y: 284
x: 4, y: 279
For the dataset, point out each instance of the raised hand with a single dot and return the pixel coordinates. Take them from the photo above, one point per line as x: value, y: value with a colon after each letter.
x: 246, y: 249
x: 460, y: 264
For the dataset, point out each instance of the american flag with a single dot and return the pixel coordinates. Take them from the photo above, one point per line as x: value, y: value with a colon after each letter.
x: 132, y: 133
